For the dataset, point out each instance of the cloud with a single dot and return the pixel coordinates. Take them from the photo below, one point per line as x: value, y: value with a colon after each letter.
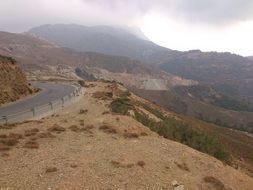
x: 17, y: 15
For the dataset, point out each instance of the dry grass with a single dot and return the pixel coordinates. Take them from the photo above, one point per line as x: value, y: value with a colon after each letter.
x: 5, y: 155
x: 105, y: 112
x: 74, y: 128
x: 108, y: 129
x: 45, y: 135
x: 182, y: 166
x: 31, y: 132
x: 51, y: 169
x: 83, y: 111
x: 215, y: 183
x: 73, y: 166
x: 81, y: 122
x: 141, y: 163
x: 3, y: 136
x: 31, y: 144
x: 4, y: 147
x: 56, y: 128
x: 130, y: 135
x: 87, y: 128
x: 117, y: 164
x: 102, y: 95
x: 15, y: 136
x: 9, y: 141
x: 143, y: 134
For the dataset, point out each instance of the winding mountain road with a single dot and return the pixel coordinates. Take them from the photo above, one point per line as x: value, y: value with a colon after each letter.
x: 49, y: 93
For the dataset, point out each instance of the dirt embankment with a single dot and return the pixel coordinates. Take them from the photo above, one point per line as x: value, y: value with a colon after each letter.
x: 13, y: 83
x: 86, y: 146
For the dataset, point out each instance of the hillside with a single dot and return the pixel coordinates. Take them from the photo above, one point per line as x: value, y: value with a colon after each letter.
x: 43, y: 60
x: 90, y: 146
x: 227, y: 73
x: 13, y: 83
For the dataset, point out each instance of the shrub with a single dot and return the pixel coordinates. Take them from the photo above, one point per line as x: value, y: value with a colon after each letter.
x: 57, y: 128
x: 216, y: 183
x: 31, y: 144
x: 82, y: 83
x: 173, y: 129
x: 82, y: 111
x: 108, y: 129
x: 155, y: 112
x: 131, y: 135
x: 141, y: 163
x: 121, y: 106
x: 52, y: 169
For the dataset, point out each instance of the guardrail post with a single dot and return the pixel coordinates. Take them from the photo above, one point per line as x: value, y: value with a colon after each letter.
x: 51, y: 105
x: 6, y: 119
x: 62, y: 102
x: 33, y: 110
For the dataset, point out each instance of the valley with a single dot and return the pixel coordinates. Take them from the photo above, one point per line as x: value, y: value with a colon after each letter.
x: 205, y: 103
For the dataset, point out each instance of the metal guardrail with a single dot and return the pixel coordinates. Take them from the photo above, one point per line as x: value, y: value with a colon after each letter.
x: 40, y: 111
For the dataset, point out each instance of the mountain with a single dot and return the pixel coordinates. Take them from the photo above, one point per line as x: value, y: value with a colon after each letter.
x: 103, y: 39
x: 227, y: 73
x: 44, y: 60
x: 122, y: 141
x: 13, y: 83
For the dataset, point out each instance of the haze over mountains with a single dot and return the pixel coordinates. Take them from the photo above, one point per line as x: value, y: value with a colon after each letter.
x: 102, y: 39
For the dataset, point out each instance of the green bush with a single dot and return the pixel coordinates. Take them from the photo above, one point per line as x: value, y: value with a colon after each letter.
x: 82, y: 83
x: 155, y: 112
x: 121, y: 106
x: 173, y: 129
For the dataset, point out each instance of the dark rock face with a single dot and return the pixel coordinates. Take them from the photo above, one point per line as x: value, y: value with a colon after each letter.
x: 13, y: 83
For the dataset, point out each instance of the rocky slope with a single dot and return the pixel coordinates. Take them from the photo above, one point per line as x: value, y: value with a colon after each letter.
x: 44, y: 60
x: 88, y: 146
x: 13, y: 83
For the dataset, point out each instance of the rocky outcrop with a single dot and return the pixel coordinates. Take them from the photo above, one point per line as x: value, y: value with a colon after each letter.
x: 13, y: 83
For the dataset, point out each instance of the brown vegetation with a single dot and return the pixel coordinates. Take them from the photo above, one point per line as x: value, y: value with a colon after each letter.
x: 121, y: 165
x: 215, y: 183
x: 141, y: 163
x: 108, y: 129
x: 31, y: 144
x: 31, y: 132
x: 131, y: 135
x: 52, y: 169
x: 182, y: 166
x: 56, y: 128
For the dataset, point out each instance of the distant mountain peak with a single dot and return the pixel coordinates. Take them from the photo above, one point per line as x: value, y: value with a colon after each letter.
x: 111, y: 40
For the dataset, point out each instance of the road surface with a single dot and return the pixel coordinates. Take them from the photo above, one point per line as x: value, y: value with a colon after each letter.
x: 50, y: 92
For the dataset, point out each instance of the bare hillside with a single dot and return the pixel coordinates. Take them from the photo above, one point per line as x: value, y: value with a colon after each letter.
x: 89, y: 146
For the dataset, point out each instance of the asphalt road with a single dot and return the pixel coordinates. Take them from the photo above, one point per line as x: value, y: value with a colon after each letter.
x: 50, y: 92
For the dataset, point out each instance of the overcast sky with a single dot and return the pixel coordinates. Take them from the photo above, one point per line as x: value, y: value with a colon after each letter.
x: 221, y: 25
